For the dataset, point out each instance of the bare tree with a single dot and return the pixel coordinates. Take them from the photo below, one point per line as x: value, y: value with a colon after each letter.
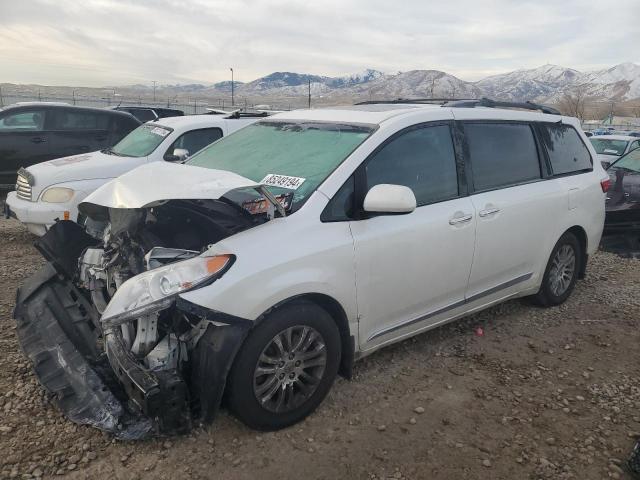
x: 573, y: 102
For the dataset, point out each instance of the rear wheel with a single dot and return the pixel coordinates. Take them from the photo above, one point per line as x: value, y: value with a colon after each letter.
x: 285, y: 368
x: 561, y: 273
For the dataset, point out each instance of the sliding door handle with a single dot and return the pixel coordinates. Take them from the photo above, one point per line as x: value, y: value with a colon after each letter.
x: 461, y: 219
x: 488, y: 211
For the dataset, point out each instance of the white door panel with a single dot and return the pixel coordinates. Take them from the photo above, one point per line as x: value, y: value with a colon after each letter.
x: 412, y: 266
x: 513, y: 228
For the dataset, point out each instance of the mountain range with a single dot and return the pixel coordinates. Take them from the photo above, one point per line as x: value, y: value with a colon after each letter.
x: 546, y: 83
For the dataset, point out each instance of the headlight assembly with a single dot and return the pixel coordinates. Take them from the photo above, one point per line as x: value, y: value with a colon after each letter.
x: 57, y: 195
x: 156, y: 289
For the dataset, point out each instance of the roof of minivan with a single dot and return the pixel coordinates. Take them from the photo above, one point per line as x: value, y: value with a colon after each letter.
x: 378, y: 113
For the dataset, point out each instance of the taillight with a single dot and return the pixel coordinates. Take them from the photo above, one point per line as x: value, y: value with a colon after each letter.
x: 605, y: 183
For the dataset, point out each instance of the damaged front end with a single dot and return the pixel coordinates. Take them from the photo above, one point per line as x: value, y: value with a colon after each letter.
x: 104, y: 325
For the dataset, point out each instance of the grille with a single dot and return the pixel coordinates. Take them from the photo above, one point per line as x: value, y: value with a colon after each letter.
x: 23, y: 189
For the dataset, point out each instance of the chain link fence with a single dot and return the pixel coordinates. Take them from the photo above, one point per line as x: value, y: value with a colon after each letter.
x: 189, y: 107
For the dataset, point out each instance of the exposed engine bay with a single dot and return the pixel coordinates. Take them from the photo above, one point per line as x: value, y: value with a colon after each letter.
x: 154, y: 368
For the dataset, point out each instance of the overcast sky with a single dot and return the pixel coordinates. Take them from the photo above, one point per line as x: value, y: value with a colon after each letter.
x: 116, y: 42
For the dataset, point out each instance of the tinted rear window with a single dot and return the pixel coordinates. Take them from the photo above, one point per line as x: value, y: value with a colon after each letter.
x: 501, y: 154
x: 565, y: 148
x: 79, y: 120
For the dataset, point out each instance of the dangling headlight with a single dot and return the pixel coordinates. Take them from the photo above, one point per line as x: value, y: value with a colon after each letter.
x: 156, y: 289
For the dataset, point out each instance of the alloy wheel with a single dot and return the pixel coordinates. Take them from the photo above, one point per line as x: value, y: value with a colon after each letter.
x: 289, y: 369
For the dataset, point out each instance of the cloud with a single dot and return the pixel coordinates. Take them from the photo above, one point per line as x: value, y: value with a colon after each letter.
x: 103, y: 42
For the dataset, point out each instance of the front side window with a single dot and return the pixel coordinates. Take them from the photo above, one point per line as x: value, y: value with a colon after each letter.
x: 501, y: 154
x: 195, y: 140
x: 607, y: 146
x: 287, y: 156
x: 422, y: 159
x: 565, y: 148
x: 142, y: 141
x: 31, y: 121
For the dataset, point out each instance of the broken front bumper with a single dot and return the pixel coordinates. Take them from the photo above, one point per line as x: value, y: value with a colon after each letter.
x: 94, y: 378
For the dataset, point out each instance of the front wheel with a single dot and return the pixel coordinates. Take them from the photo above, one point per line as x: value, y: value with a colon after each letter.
x: 285, y: 367
x: 561, y: 273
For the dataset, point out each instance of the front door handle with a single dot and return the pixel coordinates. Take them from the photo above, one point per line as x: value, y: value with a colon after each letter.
x: 38, y: 140
x: 461, y: 219
x: 488, y: 211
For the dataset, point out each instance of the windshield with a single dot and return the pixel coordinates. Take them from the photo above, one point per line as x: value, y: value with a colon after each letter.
x: 606, y: 146
x: 141, y: 142
x: 289, y: 157
x: 631, y: 161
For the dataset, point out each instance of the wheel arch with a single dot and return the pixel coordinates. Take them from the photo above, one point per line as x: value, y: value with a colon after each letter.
x: 581, y: 235
x: 339, y: 316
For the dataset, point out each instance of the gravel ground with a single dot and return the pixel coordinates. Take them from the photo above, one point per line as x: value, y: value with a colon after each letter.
x: 542, y: 393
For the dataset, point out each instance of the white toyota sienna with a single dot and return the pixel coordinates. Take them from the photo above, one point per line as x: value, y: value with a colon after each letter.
x: 282, y: 253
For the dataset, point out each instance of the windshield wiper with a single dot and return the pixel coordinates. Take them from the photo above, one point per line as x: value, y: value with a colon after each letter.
x: 109, y: 151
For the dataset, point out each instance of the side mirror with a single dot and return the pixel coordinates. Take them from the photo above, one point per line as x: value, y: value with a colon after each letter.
x: 179, y: 155
x: 386, y: 198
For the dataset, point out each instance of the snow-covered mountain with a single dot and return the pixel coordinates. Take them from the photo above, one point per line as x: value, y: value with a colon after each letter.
x: 415, y: 84
x: 620, y: 81
x: 279, y: 80
x: 365, y: 76
x: 543, y: 84
x: 535, y: 83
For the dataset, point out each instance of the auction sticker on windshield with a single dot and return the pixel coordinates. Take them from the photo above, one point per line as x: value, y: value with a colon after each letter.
x: 282, y: 181
x: 160, y: 131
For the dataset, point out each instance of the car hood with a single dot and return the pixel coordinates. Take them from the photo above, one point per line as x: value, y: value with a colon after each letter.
x: 157, y: 182
x: 86, y: 166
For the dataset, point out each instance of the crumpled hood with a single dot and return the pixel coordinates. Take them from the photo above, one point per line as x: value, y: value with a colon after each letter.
x: 160, y: 181
x: 86, y: 166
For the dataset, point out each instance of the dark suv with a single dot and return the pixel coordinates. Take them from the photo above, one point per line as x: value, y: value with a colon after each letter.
x: 31, y: 133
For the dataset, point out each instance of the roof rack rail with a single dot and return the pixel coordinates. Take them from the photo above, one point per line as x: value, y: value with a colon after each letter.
x: 487, y: 102
x: 411, y: 101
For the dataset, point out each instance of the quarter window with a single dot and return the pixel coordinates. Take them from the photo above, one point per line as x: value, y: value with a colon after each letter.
x: 565, y: 148
x: 422, y: 159
x: 501, y: 154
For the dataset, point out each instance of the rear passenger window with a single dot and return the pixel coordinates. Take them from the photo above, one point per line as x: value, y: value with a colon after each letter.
x: 565, y: 148
x: 501, y: 154
x: 421, y: 159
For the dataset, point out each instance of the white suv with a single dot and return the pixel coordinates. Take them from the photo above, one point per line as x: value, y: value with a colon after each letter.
x: 279, y: 255
x: 52, y: 190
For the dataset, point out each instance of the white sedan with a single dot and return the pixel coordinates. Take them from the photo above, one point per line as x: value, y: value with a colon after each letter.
x: 52, y: 190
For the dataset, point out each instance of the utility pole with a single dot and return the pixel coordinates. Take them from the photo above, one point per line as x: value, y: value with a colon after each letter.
x: 1, y: 102
x: 73, y: 94
x: 309, y: 93
x: 232, y: 102
x: 154, y: 90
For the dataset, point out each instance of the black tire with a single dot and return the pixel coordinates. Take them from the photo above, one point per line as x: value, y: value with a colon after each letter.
x: 241, y: 389
x: 546, y: 296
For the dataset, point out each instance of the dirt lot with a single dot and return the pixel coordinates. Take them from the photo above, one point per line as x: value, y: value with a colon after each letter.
x: 542, y: 394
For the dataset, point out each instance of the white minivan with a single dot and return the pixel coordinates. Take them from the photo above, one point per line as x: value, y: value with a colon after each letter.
x: 279, y: 255
x: 52, y: 190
